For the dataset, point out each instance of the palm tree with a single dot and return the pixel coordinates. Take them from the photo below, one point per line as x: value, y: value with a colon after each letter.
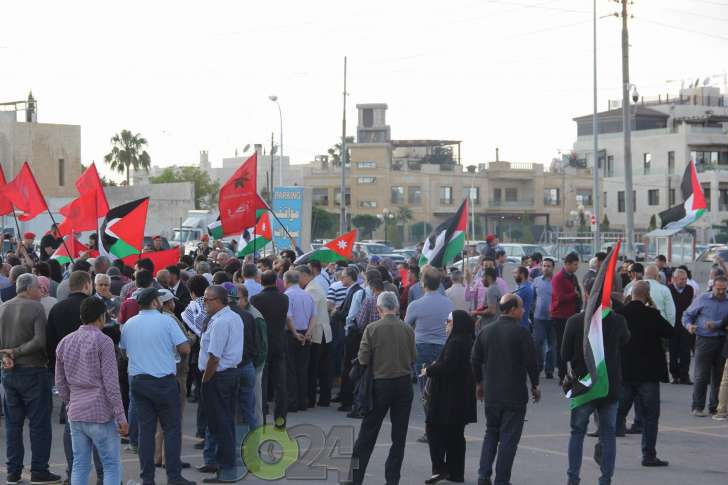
x: 128, y: 151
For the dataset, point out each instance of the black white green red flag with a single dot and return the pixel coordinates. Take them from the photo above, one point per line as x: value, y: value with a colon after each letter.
x: 256, y: 238
x: 122, y: 232
x: 447, y: 241
x: 70, y: 250
x: 694, y: 204
x: 595, y: 384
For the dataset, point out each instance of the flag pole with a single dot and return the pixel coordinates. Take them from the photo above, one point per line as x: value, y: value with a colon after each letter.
x: 17, y: 228
x: 63, y: 239
x: 255, y: 234
x: 278, y: 220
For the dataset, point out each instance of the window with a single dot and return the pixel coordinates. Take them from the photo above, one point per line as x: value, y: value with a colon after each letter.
x: 609, y: 169
x: 414, y: 195
x: 497, y: 195
x: 584, y: 197
x: 367, y: 117
x: 366, y: 180
x: 366, y: 164
x: 704, y: 160
x: 397, y: 194
x: 368, y: 204
x: 620, y: 201
x: 551, y: 197
x: 706, y: 192
x: 511, y: 194
x: 671, y: 201
x: 723, y: 200
x: 473, y: 194
x: 647, y: 163
x: 320, y: 196
x: 337, y: 196
x: 670, y: 163
x: 445, y: 195
x: 653, y: 197
x: 61, y: 172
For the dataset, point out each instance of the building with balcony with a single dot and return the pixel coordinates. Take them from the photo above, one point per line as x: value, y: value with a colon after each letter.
x: 667, y: 132
x: 429, y: 178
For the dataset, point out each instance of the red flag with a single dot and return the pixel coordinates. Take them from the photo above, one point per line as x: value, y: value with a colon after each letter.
x: 23, y: 192
x: 89, y: 181
x: 238, y: 200
x: 6, y: 207
x: 161, y: 259
x: 80, y: 214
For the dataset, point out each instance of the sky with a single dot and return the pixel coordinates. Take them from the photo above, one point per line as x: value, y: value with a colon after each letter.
x: 193, y: 76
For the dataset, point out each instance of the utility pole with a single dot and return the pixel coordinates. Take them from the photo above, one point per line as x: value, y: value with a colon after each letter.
x: 272, y: 165
x: 342, y: 218
x: 595, y: 164
x: 626, y: 124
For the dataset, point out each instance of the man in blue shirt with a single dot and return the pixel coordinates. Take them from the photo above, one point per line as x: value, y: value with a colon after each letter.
x: 154, y: 343
x: 300, y: 319
x: 543, y: 331
x: 250, y: 273
x: 703, y: 318
x: 221, y: 350
x: 524, y: 289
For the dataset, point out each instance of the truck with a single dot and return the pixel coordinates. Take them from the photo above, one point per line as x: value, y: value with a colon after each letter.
x: 190, y: 233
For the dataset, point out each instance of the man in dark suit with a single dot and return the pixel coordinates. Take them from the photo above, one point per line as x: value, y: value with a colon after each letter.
x: 274, y: 308
x: 682, y: 295
x: 179, y: 290
x: 643, y: 367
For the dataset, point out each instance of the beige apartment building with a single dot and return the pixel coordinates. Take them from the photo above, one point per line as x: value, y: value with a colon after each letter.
x: 429, y: 178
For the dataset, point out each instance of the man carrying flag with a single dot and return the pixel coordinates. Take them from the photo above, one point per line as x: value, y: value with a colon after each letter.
x: 592, y: 343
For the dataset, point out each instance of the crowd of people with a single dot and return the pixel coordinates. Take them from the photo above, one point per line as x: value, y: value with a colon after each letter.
x: 251, y: 341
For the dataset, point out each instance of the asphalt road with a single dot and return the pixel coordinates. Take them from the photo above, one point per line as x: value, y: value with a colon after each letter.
x: 697, y: 448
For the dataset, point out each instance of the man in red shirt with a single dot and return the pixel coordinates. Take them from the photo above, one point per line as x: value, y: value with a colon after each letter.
x: 566, y: 301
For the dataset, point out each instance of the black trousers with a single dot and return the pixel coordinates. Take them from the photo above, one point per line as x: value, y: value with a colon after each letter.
x: 319, y: 373
x: 708, y: 370
x: 680, y: 353
x: 393, y: 396
x: 220, y: 398
x: 297, y: 380
x: 275, y: 385
x: 352, y: 350
x: 559, y: 328
x: 447, y: 449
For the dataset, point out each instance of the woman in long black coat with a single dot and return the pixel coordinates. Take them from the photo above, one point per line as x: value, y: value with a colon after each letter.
x: 452, y: 402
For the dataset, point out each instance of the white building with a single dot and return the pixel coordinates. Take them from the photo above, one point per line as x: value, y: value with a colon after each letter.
x: 667, y: 132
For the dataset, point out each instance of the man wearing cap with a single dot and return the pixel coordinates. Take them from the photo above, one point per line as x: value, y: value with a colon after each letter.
x: 491, y: 246
x: 153, y: 343
x: 49, y: 243
x: 221, y: 350
x: 29, y: 247
x: 203, y: 249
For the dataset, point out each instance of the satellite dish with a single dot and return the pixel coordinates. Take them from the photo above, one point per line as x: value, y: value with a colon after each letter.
x: 697, y: 82
x: 706, y: 81
x: 247, y: 147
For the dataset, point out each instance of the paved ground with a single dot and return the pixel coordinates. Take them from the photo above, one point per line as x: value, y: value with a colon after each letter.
x: 696, y: 447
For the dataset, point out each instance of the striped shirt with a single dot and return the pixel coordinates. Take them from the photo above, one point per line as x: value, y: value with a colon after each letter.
x: 87, y: 376
x: 337, y: 293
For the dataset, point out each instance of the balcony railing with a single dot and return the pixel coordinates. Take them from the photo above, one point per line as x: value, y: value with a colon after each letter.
x: 511, y: 204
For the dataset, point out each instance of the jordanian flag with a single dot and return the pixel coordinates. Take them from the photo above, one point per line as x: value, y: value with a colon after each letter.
x: 694, y: 206
x: 595, y: 384
x: 340, y: 249
x: 70, y: 250
x: 122, y: 232
x: 447, y: 241
x: 255, y: 238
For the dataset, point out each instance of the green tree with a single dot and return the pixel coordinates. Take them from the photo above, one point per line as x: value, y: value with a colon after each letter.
x: 127, y: 152
x: 367, y: 224
x: 323, y: 224
x: 653, y: 223
x: 206, y: 189
x: 605, y: 223
x: 527, y: 230
x: 335, y: 152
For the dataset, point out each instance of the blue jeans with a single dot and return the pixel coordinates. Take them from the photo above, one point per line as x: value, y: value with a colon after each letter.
x: 504, y: 425
x: 102, y: 437
x: 607, y: 413
x: 27, y: 395
x: 158, y: 399
x: 543, y: 336
x: 426, y: 355
x: 648, y: 395
x: 68, y: 451
x: 246, y: 418
x: 133, y: 422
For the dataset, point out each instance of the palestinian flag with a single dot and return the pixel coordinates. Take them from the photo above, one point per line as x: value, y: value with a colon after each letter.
x: 340, y: 249
x: 215, y: 230
x: 694, y: 204
x: 255, y: 238
x: 75, y: 248
x: 447, y: 241
x: 595, y: 384
x: 122, y: 232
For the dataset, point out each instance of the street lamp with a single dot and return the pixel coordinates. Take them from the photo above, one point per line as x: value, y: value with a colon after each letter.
x: 274, y: 98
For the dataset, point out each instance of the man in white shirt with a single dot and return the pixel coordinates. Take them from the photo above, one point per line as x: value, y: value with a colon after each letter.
x: 659, y: 293
x: 456, y: 292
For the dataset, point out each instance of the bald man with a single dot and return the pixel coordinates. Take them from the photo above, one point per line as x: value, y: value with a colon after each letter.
x: 659, y: 293
x: 502, y: 357
x: 643, y: 368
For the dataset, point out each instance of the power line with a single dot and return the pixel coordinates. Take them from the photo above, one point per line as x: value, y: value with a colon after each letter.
x: 682, y: 29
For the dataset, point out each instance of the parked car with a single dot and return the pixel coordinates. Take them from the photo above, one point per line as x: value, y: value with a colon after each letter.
x: 515, y: 252
x: 407, y: 253
x: 367, y: 250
